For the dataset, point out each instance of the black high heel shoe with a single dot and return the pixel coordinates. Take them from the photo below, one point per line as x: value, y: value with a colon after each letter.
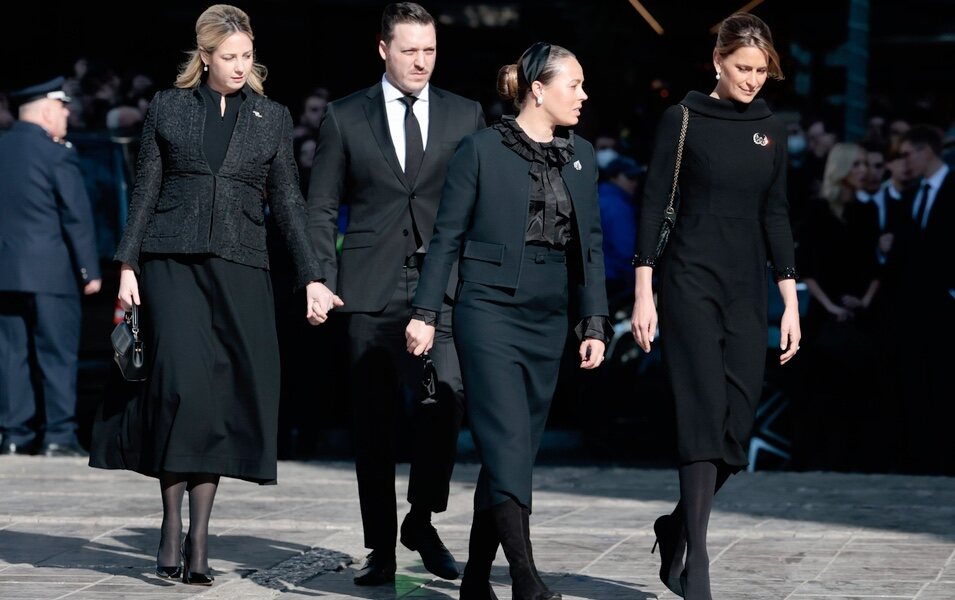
x: 174, y: 572
x: 667, y: 535
x: 192, y: 577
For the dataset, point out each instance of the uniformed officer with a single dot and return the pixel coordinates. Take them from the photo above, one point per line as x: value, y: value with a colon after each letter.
x: 47, y: 257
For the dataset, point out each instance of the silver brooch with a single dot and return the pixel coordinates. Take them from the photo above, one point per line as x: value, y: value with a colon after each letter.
x: 760, y: 140
x: 577, y: 165
x: 257, y: 113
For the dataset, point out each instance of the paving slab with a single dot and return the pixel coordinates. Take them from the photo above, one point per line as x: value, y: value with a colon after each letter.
x: 68, y: 531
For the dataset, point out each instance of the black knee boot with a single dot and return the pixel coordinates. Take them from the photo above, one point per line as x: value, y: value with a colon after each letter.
x: 525, y: 582
x: 482, y: 548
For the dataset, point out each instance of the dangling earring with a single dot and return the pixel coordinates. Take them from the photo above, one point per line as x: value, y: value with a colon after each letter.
x: 717, y: 75
x: 540, y: 100
x: 205, y: 68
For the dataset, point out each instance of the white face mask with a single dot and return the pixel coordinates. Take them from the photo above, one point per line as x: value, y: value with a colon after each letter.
x: 796, y: 143
x: 605, y: 156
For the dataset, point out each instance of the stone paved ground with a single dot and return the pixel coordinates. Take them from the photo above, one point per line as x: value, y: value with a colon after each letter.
x: 68, y: 531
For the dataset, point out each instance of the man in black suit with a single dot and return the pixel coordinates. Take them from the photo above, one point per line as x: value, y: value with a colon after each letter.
x: 47, y: 258
x: 384, y: 151
x: 928, y: 284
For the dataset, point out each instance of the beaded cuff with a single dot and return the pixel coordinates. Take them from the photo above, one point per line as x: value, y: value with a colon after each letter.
x: 640, y: 260
x: 785, y: 273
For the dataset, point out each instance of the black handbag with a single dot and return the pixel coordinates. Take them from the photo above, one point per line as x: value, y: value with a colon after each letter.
x: 128, y: 347
x: 669, y: 215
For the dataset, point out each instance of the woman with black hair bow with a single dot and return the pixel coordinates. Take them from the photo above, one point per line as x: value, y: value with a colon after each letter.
x: 520, y: 210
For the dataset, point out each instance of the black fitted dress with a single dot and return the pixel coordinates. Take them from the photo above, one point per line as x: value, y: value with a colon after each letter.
x: 732, y: 218
x: 210, y: 403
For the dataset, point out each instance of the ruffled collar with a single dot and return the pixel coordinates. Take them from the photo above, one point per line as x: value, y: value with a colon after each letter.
x: 557, y: 152
x: 727, y: 109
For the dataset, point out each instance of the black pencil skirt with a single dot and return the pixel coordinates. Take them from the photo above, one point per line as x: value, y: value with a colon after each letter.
x: 510, y: 344
x: 210, y: 404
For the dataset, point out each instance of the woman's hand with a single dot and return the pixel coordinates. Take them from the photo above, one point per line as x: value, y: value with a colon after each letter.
x: 419, y: 337
x: 128, y: 288
x: 595, y: 349
x: 320, y: 301
x: 643, y: 321
x: 790, y: 334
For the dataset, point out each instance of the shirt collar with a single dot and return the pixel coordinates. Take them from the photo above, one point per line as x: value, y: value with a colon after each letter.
x: 864, y: 196
x: 936, y: 179
x: 392, y: 93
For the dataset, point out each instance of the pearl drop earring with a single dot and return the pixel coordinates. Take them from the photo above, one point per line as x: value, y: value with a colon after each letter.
x: 540, y: 100
x: 717, y: 76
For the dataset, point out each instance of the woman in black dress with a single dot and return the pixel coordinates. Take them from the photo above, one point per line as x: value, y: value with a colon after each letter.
x: 214, y: 153
x: 732, y: 209
x: 520, y: 211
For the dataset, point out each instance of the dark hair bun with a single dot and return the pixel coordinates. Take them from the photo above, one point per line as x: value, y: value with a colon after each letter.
x: 507, y: 85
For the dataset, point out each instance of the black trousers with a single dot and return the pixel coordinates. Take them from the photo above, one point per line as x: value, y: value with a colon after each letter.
x: 39, y: 346
x: 386, y: 385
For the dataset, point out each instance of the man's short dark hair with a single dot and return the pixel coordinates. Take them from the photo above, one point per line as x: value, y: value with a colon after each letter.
x: 925, y: 135
x: 403, y: 12
x: 874, y: 147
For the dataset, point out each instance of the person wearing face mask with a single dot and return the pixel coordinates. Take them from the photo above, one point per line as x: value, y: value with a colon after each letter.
x: 520, y: 208
x: 732, y: 217
x: 214, y: 153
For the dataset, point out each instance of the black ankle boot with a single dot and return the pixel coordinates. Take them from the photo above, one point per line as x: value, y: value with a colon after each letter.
x: 482, y: 548
x: 526, y: 584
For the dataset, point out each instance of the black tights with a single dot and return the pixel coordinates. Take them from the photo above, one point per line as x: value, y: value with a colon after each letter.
x: 699, y: 482
x: 202, y: 492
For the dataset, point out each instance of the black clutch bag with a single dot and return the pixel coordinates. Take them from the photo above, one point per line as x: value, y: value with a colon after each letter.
x: 128, y: 347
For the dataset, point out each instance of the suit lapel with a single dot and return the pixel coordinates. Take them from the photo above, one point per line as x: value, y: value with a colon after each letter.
x: 437, y: 123
x: 577, y: 182
x: 378, y: 122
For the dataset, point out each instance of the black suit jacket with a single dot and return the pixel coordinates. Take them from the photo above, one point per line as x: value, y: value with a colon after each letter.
x: 483, y: 220
x: 47, y: 240
x: 179, y: 206
x: 355, y: 163
x: 924, y: 256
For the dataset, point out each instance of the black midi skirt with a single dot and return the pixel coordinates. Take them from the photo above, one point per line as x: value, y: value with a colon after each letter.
x: 210, y: 403
x: 510, y: 344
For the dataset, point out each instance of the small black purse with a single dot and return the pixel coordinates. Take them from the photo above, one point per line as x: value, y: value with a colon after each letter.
x: 128, y: 347
x: 669, y: 215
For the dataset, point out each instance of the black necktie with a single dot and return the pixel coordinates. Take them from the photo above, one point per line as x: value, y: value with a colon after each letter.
x: 923, y: 204
x: 414, y: 147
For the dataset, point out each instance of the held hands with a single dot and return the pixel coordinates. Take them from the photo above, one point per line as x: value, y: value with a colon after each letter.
x: 643, y: 322
x: 789, y: 334
x: 419, y: 336
x: 128, y: 288
x: 319, y: 302
x: 92, y: 286
x: 591, y: 354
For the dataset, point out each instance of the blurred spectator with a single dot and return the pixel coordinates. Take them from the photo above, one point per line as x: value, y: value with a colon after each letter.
x: 6, y: 117
x: 927, y: 304
x: 618, y: 218
x: 840, y: 269
x: 605, y: 147
x: 897, y: 128
x: 310, y: 119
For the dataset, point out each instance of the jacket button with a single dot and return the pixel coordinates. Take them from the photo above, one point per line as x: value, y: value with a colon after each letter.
x: 412, y: 197
x: 404, y: 232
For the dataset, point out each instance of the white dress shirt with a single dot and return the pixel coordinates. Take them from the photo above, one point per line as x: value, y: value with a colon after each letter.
x: 935, y: 182
x: 396, y: 110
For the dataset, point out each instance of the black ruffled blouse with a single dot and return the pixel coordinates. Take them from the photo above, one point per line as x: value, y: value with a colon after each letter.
x: 550, y: 216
